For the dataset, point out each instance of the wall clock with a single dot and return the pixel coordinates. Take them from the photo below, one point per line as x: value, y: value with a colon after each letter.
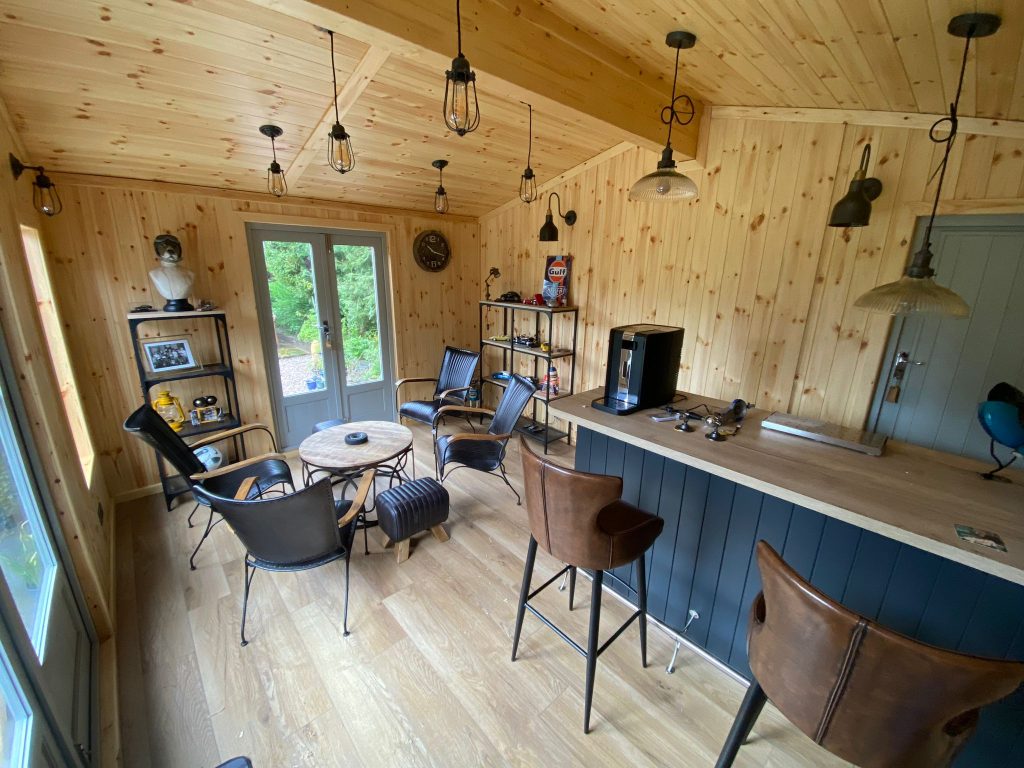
x: 431, y: 250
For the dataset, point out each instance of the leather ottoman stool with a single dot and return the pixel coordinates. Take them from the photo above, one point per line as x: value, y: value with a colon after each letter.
x: 407, y: 509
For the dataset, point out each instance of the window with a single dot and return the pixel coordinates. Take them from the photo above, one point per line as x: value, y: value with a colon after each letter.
x: 57, y: 347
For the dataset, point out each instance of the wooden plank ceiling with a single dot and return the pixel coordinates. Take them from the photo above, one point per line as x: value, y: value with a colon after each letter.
x: 175, y: 91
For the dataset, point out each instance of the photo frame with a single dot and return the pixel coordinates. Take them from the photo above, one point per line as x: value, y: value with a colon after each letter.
x: 168, y: 353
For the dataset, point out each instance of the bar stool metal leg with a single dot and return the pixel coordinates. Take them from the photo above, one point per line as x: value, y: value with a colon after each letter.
x: 572, y: 585
x: 524, y: 593
x: 751, y: 707
x: 641, y: 596
x: 592, y: 638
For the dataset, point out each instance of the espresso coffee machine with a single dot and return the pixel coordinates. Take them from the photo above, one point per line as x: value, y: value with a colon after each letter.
x: 643, y: 364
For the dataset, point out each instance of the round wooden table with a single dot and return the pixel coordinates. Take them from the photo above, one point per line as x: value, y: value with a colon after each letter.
x: 387, y: 450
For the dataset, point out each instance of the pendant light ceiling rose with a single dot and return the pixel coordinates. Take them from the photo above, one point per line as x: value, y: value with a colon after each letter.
x: 666, y: 183
x: 974, y: 25
x: 271, y: 131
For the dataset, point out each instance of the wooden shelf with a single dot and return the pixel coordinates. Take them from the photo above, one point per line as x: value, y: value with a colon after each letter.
x: 529, y: 307
x: 538, y: 395
x: 227, y: 422
x: 159, y: 315
x: 532, y: 351
x: 197, y: 373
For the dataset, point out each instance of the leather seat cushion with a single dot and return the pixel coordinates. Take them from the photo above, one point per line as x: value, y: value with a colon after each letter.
x: 412, y: 507
x: 420, y: 410
x: 484, y: 455
x: 629, y: 531
x: 267, y: 473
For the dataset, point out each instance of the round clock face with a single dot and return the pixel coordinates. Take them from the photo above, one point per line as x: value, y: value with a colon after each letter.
x: 431, y: 250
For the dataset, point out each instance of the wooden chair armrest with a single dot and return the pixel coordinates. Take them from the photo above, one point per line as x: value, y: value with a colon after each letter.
x: 476, y: 436
x: 243, y: 490
x: 218, y: 436
x: 201, y: 476
x: 448, y: 392
x: 360, y: 500
x: 462, y: 409
x: 412, y: 379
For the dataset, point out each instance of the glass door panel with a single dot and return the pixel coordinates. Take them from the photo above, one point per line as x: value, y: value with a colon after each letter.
x: 357, y: 301
x: 296, y: 320
x: 15, y: 718
x: 27, y: 559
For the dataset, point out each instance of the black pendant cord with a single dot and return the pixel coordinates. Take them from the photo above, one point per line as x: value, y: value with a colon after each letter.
x: 334, y: 78
x: 273, y: 148
x: 948, y: 141
x: 671, y: 114
x: 529, y: 146
x: 458, y: 24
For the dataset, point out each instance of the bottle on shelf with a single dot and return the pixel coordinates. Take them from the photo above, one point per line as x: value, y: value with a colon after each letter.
x: 552, y: 379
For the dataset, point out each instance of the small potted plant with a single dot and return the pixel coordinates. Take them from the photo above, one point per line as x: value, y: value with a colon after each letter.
x: 315, y: 380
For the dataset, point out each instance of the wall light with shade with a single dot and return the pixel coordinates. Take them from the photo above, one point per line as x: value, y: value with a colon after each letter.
x: 44, y: 192
x: 549, y: 232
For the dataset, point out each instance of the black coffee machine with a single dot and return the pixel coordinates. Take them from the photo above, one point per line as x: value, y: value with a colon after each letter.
x: 643, y: 364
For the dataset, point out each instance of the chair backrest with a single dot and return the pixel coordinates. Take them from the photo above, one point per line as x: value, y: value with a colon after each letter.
x: 457, y: 370
x: 150, y: 427
x: 865, y: 693
x: 517, y: 395
x: 284, y: 530
x: 562, y: 506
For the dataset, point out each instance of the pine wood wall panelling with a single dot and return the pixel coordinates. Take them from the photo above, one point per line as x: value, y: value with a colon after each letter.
x: 100, y: 252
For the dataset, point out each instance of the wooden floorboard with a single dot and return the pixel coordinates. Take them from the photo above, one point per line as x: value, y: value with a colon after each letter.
x: 425, y: 677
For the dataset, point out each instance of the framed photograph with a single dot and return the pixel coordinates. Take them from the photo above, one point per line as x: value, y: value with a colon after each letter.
x: 168, y: 354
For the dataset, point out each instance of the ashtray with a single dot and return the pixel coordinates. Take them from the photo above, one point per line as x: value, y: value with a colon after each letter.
x: 356, y: 438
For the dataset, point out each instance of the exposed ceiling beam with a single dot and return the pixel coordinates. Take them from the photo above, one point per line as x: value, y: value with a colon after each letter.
x: 347, y: 95
x: 520, y: 50
x: 983, y: 126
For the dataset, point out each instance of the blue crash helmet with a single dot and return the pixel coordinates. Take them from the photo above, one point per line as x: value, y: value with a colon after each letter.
x: 1001, y: 421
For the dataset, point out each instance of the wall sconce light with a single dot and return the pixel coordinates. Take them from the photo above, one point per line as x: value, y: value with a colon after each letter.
x: 276, y: 184
x: 461, y: 109
x: 44, y: 192
x: 917, y: 292
x: 666, y: 183
x: 854, y: 208
x: 494, y: 274
x: 549, y: 232
x: 440, y: 197
x: 528, y: 182
x: 339, y: 144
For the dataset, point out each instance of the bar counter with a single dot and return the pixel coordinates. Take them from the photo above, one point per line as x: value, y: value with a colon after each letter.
x: 875, y: 533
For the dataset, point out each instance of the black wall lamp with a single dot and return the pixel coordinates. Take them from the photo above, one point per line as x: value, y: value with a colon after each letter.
x: 44, y: 192
x: 854, y: 209
x: 276, y: 184
x: 528, y: 182
x: 666, y: 183
x: 461, y: 109
x: 549, y: 232
x: 917, y: 292
x: 339, y: 144
x: 440, y: 197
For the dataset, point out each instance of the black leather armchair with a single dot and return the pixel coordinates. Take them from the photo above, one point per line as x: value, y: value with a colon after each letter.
x: 458, y: 366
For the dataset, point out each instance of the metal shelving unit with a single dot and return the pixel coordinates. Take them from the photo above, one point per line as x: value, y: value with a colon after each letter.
x: 532, y: 426
x: 173, y: 484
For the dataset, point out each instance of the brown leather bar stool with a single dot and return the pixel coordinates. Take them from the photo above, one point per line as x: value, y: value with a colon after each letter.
x: 580, y: 519
x: 865, y: 693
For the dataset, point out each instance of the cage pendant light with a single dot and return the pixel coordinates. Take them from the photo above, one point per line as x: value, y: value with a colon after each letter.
x: 440, y: 196
x: 339, y: 144
x: 276, y: 184
x: 461, y: 109
x: 666, y: 183
x: 917, y: 291
x: 528, y: 182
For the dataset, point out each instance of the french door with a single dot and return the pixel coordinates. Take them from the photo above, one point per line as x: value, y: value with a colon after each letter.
x: 324, y: 311
x: 48, y: 659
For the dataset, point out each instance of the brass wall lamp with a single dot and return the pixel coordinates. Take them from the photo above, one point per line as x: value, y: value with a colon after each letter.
x: 44, y: 192
x: 549, y: 232
x: 854, y: 208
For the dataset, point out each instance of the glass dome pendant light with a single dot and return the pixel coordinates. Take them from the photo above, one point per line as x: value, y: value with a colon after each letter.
x: 339, y: 144
x: 666, y: 183
x: 276, y: 184
x: 440, y: 197
x: 461, y: 109
x: 528, y: 182
x: 916, y: 291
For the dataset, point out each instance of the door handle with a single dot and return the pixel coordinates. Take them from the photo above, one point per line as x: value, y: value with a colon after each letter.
x: 325, y: 330
x: 902, y: 361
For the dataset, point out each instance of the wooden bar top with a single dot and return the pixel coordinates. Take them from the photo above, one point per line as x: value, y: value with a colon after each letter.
x: 909, y: 494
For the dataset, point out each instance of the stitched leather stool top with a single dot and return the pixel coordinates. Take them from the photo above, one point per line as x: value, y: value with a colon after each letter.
x: 580, y: 519
x: 865, y: 693
x: 412, y: 507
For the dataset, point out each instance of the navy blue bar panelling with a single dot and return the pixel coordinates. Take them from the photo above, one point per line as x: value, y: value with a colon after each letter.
x: 704, y: 560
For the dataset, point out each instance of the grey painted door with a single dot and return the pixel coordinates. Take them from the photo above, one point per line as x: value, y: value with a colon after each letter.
x: 953, y: 363
x: 48, y: 655
x: 324, y: 320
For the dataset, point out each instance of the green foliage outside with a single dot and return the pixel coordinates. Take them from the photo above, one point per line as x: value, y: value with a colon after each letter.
x: 290, y: 274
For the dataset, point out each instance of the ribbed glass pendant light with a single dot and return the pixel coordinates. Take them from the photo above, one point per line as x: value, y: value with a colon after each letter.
x: 917, y: 290
x: 666, y: 183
